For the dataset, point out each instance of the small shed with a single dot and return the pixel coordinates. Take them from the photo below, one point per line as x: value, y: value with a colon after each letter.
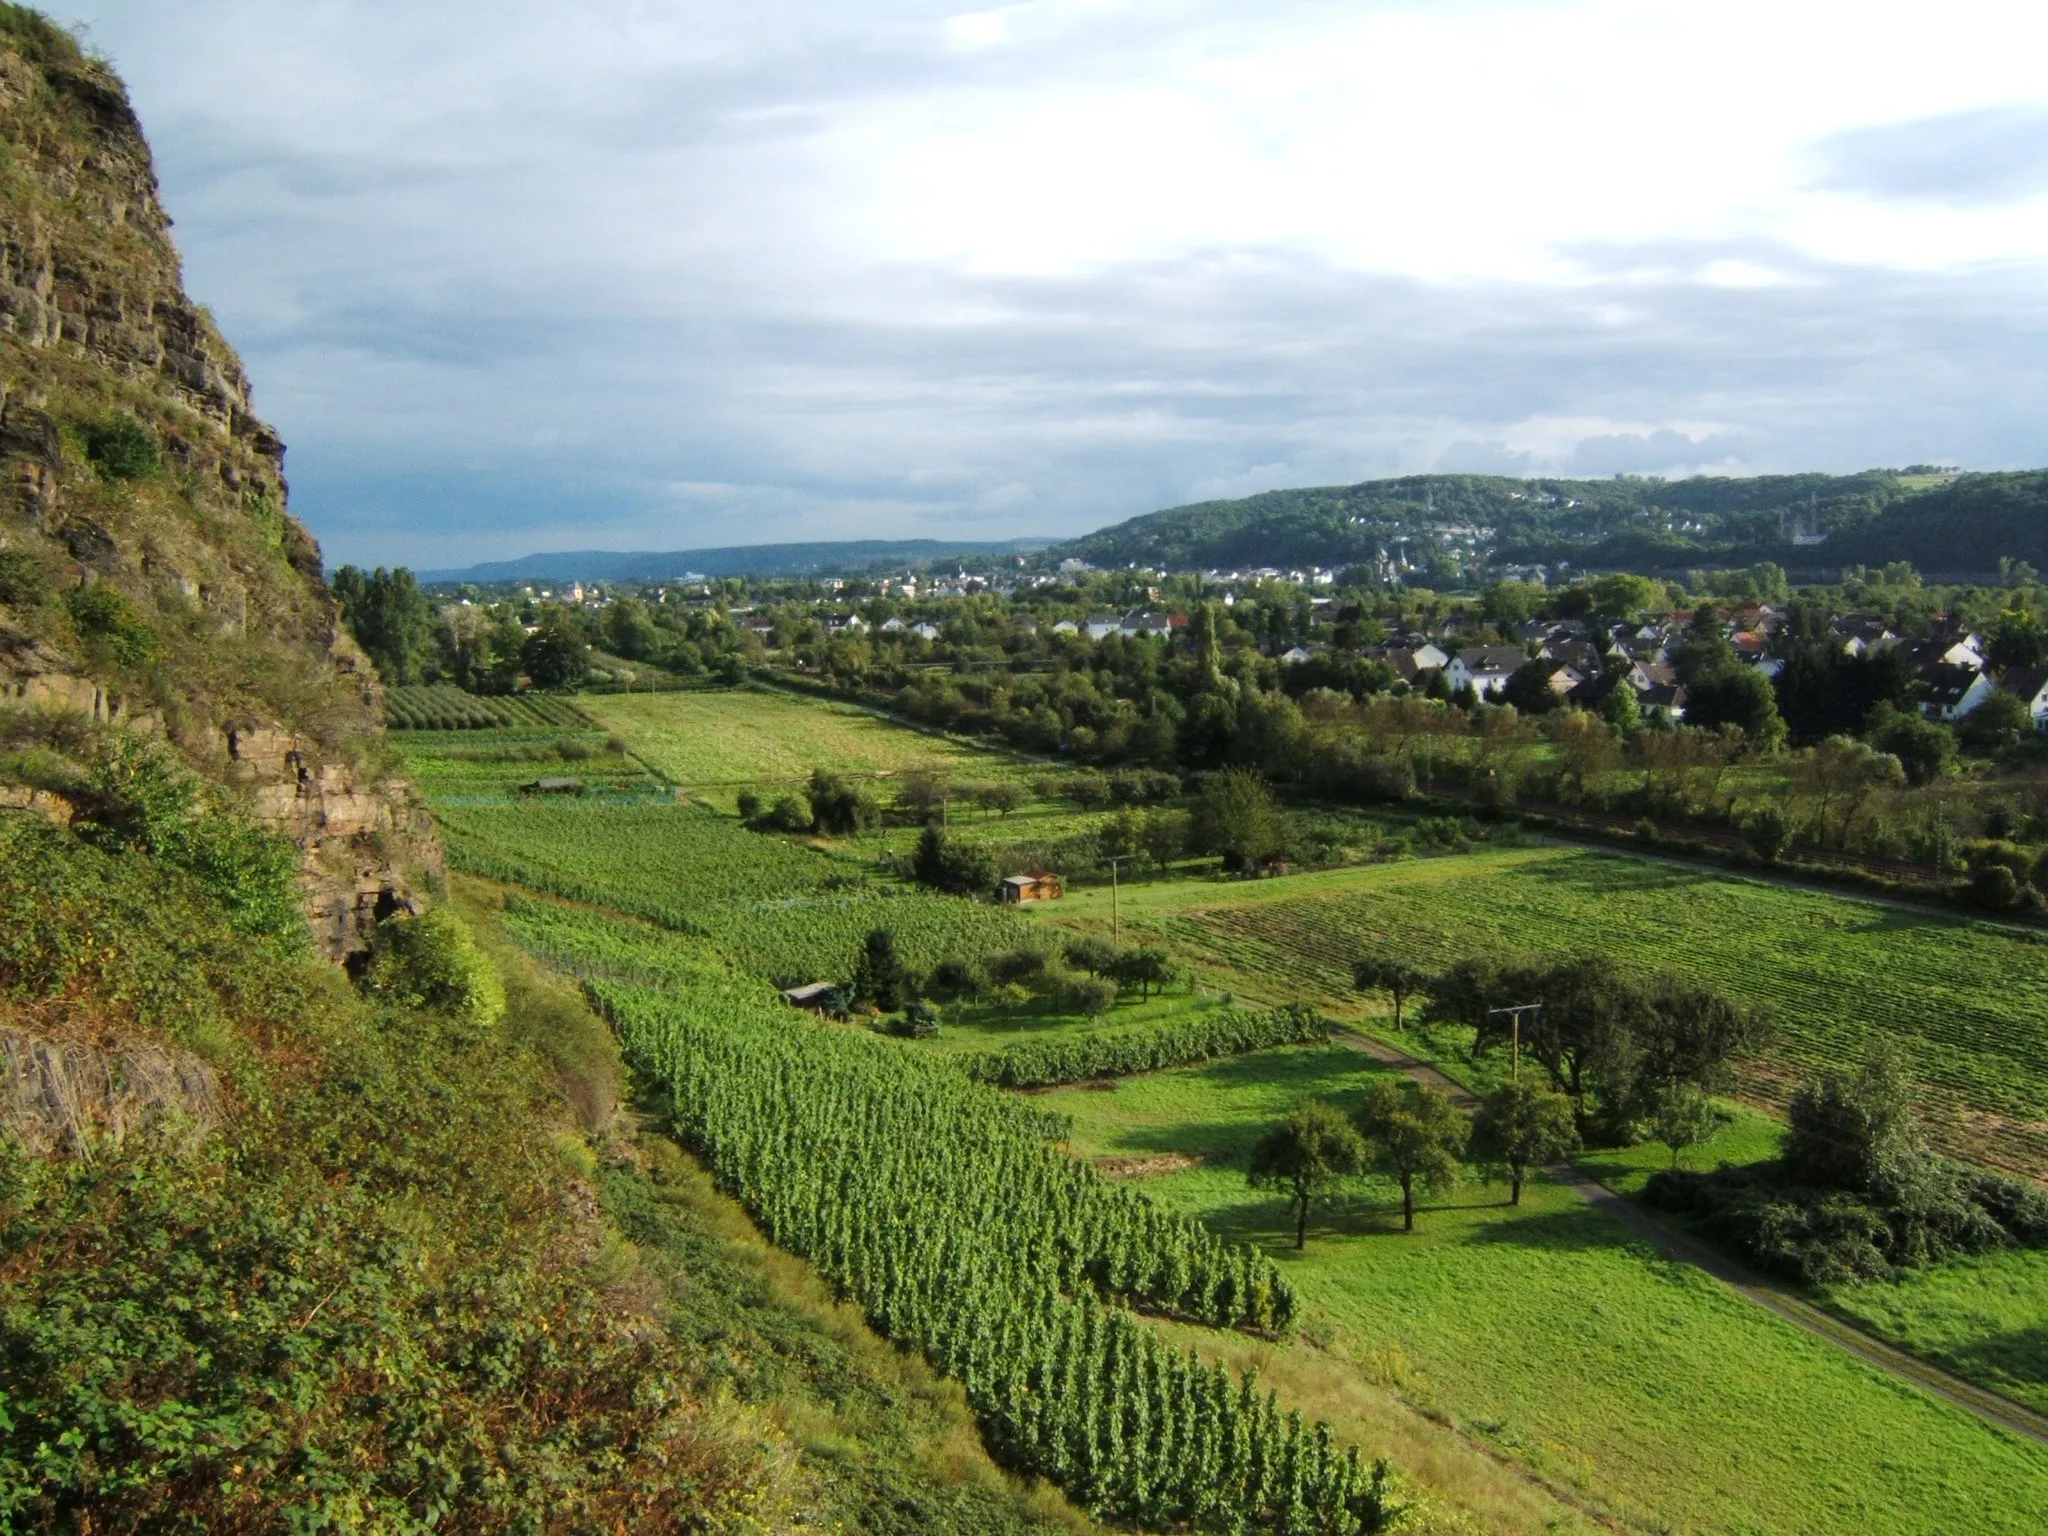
x: 552, y: 787
x: 1032, y: 885
x: 812, y: 995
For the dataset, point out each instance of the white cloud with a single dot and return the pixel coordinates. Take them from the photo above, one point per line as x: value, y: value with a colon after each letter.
x: 682, y: 272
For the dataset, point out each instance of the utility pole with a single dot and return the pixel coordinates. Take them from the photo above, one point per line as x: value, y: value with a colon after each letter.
x: 1112, y: 863
x: 1514, y: 1012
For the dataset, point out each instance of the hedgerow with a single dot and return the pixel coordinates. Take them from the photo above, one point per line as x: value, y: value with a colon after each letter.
x: 1145, y: 1048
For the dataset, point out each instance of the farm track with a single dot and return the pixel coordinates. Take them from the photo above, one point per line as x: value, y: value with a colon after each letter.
x: 1759, y: 1290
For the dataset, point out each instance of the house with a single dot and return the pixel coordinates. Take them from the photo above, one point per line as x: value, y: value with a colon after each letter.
x: 1066, y: 627
x: 815, y: 996
x: 1147, y: 623
x: 1032, y: 885
x: 1413, y: 664
x: 925, y: 631
x: 891, y: 626
x: 851, y: 624
x: 1485, y: 669
x: 1949, y: 693
x: 2030, y: 686
x: 1294, y: 654
x: 1103, y: 624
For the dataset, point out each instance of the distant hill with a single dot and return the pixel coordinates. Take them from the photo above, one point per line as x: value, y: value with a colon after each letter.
x: 1453, y: 524
x: 817, y: 559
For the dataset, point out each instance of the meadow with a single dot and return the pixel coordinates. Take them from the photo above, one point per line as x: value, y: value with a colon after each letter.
x: 1967, y: 1001
x: 757, y: 737
x: 1634, y: 1386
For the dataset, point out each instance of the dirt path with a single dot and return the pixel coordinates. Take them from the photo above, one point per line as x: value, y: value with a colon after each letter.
x: 1758, y: 1289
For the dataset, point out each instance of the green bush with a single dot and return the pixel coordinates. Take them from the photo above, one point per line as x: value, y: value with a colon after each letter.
x: 122, y: 448
x: 23, y: 583
x: 108, y: 623
x: 432, y: 962
x: 1146, y: 1048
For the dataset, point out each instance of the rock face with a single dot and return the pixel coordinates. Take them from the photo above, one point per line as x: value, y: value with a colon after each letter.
x: 211, y: 624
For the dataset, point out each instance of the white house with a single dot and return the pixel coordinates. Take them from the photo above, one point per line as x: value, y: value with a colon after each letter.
x: 1950, y: 693
x: 925, y: 631
x: 1066, y: 627
x: 1294, y: 654
x: 1485, y: 669
x: 891, y: 626
x: 1102, y: 624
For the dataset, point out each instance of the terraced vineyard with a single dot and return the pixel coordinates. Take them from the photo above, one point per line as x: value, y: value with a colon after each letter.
x: 1968, y: 1001
x: 772, y: 906
x: 445, y: 707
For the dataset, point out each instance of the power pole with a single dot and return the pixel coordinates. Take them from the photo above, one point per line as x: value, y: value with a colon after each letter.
x: 1112, y: 863
x: 1514, y: 1012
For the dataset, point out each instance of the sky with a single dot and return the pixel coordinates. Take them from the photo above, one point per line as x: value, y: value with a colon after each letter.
x: 518, y: 276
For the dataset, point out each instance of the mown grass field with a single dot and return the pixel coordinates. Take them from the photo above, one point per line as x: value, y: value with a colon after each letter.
x: 756, y: 737
x: 1639, y: 1388
x: 1967, y: 1001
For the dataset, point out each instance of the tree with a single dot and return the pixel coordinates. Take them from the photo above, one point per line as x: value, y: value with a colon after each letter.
x: 946, y: 864
x: 1305, y: 1155
x: 555, y: 655
x: 1528, y: 688
x: 1396, y: 977
x: 1999, y: 721
x: 1623, y: 595
x: 1002, y: 797
x: 1683, y: 1117
x: 1854, y: 1132
x: 1234, y: 817
x: 1925, y: 748
x: 1739, y: 696
x: 1416, y: 1135
x: 923, y: 794
x: 392, y: 621
x: 1165, y: 837
x: 1523, y: 1126
x: 629, y: 631
x: 2016, y: 641
x: 841, y: 808
x: 879, y: 979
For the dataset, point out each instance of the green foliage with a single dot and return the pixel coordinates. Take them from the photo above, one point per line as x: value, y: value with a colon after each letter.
x: 431, y: 961
x: 392, y: 620
x: 1234, y: 817
x: 345, y: 1301
x: 1417, y: 1136
x: 111, y: 627
x: 1524, y: 1125
x: 1683, y: 1117
x: 555, y: 654
x: 947, y: 863
x: 842, y: 808
x: 141, y: 798
x: 1854, y: 1131
x: 791, y: 813
x: 122, y: 448
x: 445, y: 707
x: 1926, y: 749
x: 24, y: 584
x: 1145, y: 1048
x: 879, y: 979
x: 1305, y: 1155
x: 934, y: 1204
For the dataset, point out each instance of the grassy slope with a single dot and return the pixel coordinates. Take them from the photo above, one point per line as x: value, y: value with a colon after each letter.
x: 1967, y: 1000
x: 1638, y: 1386
x: 732, y: 740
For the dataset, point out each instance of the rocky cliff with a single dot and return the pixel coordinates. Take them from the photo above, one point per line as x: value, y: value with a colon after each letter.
x: 152, y: 577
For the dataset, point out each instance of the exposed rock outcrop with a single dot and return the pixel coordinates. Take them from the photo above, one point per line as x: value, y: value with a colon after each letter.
x: 225, y: 638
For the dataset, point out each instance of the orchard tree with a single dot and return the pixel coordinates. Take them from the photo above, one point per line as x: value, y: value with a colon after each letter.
x: 1304, y: 1156
x: 1416, y: 1135
x: 1683, y: 1117
x: 1395, y: 977
x: 1234, y: 817
x: 1524, y: 1125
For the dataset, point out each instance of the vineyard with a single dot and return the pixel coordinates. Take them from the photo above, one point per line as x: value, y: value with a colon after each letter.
x: 1144, y: 1048
x: 1967, y: 1001
x: 938, y: 1207
x: 445, y: 707
x: 774, y: 907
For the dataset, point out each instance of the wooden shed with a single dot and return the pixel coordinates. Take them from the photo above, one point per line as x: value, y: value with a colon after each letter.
x: 1032, y: 885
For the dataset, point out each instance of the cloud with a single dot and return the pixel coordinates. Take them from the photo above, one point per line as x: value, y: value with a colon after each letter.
x: 1987, y: 156
x: 524, y: 276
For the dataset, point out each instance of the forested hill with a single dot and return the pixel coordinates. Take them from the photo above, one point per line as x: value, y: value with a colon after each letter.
x: 1458, y: 522
x: 761, y: 560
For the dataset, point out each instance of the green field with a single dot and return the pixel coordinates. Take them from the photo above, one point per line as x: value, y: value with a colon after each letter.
x: 1635, y: 1386
x: 1968, y: 1001
x: 730, y: 740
